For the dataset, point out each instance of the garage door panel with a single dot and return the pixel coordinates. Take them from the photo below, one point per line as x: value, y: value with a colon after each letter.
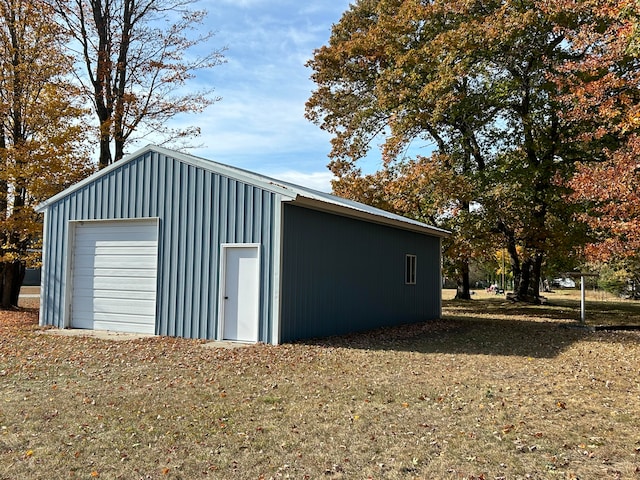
x: 129, y: 327
x: 140, y: 263
x: 132, y: 306
x: 104, y: 272
x: 133, y: 324
x: 83, y: 245
x: 97, y: 235
x: 117, y: 291
x: 89, y: 271
x: 115, y: 276
x: 133, y: 250
x: 116, y: 286
x: 131, y: 262
x: 113, y: 241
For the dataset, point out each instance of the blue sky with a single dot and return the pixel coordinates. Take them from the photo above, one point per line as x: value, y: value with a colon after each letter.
x: 259, y: 124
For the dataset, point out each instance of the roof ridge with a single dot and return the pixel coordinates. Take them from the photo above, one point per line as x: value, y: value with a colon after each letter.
x: 297, y: 194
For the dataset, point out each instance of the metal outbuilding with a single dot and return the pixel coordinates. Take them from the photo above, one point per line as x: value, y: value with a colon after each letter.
x: 171, y: 244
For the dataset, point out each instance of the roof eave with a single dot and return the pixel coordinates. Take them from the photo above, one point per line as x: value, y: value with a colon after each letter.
x: 77, y: 186
x: 232, y: 172
x: 401, y: 222
x: 288, y: 192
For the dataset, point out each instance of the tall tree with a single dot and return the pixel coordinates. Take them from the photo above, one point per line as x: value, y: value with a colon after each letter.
x: 604, y: 86
x: 41, y: 133
x: 474, y: 80
x: 134, y: 57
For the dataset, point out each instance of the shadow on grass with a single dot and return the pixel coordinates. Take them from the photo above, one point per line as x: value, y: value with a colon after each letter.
x: 486, y: 327
x: 612, y: 313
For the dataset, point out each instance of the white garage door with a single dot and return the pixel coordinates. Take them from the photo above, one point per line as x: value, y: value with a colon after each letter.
x: 114, y: 276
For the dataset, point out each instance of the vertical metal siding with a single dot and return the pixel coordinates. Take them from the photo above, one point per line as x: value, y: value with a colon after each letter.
x: 342, y: 275
x: 126, y: 192
x: 198, y: 210
x: 266, y: 218
x: 182, y: 247
x: 197, y: 329
x: 204, y: 256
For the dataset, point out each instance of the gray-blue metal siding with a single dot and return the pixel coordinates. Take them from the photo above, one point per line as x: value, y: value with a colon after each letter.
x: 342, y: 275
x: 198, y: 211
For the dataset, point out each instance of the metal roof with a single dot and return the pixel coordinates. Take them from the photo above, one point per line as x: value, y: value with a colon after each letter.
x: 296, y: 194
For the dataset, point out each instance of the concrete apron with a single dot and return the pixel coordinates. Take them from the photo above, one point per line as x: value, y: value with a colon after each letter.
x: 34, y: 292
x: 123, y: 336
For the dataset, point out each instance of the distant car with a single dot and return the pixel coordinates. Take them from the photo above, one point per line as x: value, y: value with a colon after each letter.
x: 563, y: 283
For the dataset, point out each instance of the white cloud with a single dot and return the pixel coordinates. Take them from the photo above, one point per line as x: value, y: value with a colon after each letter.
x: 259, y: 124
x: 316, y: 180
x: 241, y: 3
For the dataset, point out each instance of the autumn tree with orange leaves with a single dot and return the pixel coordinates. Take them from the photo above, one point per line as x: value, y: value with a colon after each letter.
x: 478, y: 83
x: 605, y: 85
x: 41, y: 133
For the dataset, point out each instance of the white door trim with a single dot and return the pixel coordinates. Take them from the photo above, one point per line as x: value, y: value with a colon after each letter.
x: 70, y: 273
x: 224, y: 248
x: 68, y: 284
x: 276, y: 279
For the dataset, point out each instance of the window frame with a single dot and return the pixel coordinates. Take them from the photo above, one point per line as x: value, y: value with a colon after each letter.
x: 410, y: 269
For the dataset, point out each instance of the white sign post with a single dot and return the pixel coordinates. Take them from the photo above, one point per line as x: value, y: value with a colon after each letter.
x: 583, y: 309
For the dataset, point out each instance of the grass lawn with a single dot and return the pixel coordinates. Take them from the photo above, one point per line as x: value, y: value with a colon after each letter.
x: 493, y: 391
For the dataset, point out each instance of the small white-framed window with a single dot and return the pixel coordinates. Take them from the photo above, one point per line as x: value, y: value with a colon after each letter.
x: 410, y: 265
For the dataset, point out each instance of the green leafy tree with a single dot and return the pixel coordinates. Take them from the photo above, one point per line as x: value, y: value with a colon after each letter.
x: 620, y: 277
x: 41, y: 133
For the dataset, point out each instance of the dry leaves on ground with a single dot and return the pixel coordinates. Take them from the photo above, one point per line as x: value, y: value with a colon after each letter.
x: 480, y: 394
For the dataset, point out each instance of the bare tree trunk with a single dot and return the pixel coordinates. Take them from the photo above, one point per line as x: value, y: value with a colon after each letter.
x: 463, y: 290
x: 534, y: 288
x: 528, y: 288
x: 101, y: 79
x: 105, y: 152
x: 512, y: 250
x: 11, y: 277
x: 522, y: 286
x: 4, y: 186
x: 119, y: 150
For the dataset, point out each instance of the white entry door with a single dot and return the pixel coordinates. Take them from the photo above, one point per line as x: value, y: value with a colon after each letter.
x: 240, y: 292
